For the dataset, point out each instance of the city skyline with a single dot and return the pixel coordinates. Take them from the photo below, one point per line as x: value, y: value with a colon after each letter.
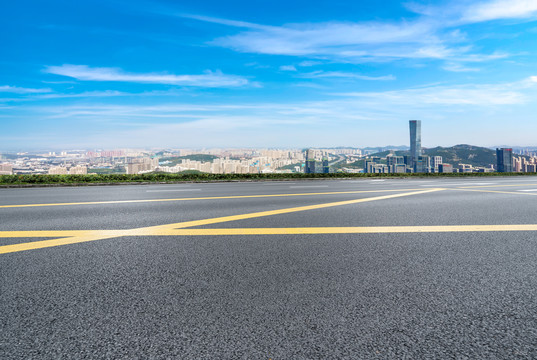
x: 120, y: 74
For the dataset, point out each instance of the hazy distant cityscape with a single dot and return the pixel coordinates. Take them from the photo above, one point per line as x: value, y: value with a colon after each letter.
x: 396, y: 159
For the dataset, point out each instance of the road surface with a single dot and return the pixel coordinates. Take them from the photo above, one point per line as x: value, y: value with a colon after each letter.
x: 358, y: 269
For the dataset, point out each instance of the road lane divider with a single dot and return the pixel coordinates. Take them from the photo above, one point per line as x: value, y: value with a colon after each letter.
x: 172, y: 190
x: 487, y: 186
x: 65, y: 237
x: 281, y: 211
x: 495, y: 191
x: 204, y: 198
x: 351, y: 230
x: 104, y: 234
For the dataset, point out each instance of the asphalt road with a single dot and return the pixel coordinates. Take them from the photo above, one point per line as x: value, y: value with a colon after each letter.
x: 358, y: 269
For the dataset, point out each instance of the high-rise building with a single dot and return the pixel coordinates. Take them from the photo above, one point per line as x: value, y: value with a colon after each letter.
x: 423, y: 164
x: 435, y: 161
x: 407, y: 159
x: 505, y: 159
x: 415, y: 141
x: 415, y: 138
x: 310, y: 162
x: 394, y: 160
x: 326, y: 167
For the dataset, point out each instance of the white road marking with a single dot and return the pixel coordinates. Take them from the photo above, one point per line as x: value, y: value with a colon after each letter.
x: 279, y: 183
x: 459, y: 184
x: 377, y: 180
x: 308, y: 186
x: 173, y: 190
x: 528, y: 190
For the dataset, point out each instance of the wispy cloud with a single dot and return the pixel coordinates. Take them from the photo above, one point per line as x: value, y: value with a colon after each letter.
x: 288, y: 68
x: 455, y: 67
x: 307, y: 63
x: 21, y: 90
x: 85, y: 94
x: 500, y: 9
x: 433, y: 35
x: 471, y: 94
x: 328, y: 39
x: 86, y: 73
x: 323, y: 122
x: 345, y: 75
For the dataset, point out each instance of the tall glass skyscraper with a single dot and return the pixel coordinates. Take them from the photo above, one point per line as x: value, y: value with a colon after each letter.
x: 505, y: 160
x: 415, y: 140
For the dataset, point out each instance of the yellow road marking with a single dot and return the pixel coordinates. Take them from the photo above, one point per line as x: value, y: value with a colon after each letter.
x: 149, y: 230
x: 71, y: 237
x: 202, y: 198
x: 50, y: 233
x: 50, y: 243
x: 351, y: 230
x: 101, y: 235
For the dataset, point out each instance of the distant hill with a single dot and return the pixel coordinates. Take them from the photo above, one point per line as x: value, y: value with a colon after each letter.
x: 194, y: 157
x: 458, y: 154
x: 15, y: 156
x: 464, y: 154
x: 386, y: 148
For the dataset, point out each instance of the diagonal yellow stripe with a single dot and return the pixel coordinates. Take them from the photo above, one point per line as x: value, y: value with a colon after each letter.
x: 273, y: 231
x: 50, y: 243
x: 202, y: 198
x: 150, y: 230
x: 72, y: 237
x: 56, y: 233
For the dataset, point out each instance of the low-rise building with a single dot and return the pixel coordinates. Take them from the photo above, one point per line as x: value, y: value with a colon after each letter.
x: 57, y: 170
x: 6, y: 169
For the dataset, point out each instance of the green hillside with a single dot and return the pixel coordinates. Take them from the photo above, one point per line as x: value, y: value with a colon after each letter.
x: 194, y: 157
x: 458, y: 154
x: 464, y: 154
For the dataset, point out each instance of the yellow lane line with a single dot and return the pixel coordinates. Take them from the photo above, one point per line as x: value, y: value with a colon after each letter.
x: 349, y: 230
x: 50, y: 243
x: 272, y: 231
x: 60, y: 233
x: 487, y: 186
x: 203, y: 198
x: 151, y: 229
x: 496, y: 191
x: 93, y: 235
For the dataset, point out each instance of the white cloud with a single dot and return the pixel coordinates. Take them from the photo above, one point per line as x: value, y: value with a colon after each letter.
x: 357, y: 119
x: 500, y: 9
x: 86, y: 73
x: 307, y: 63
x: 473, y: 94
x: 86, y: 94
x: 433, y: 35
x: 346, y: 75
x: 288, y: 68
x: 455, y: 67
x: 327, y: 38
x: 20, y: 90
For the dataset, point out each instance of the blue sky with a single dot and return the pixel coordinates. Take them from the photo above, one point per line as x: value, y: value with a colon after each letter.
x: 179, y: 74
